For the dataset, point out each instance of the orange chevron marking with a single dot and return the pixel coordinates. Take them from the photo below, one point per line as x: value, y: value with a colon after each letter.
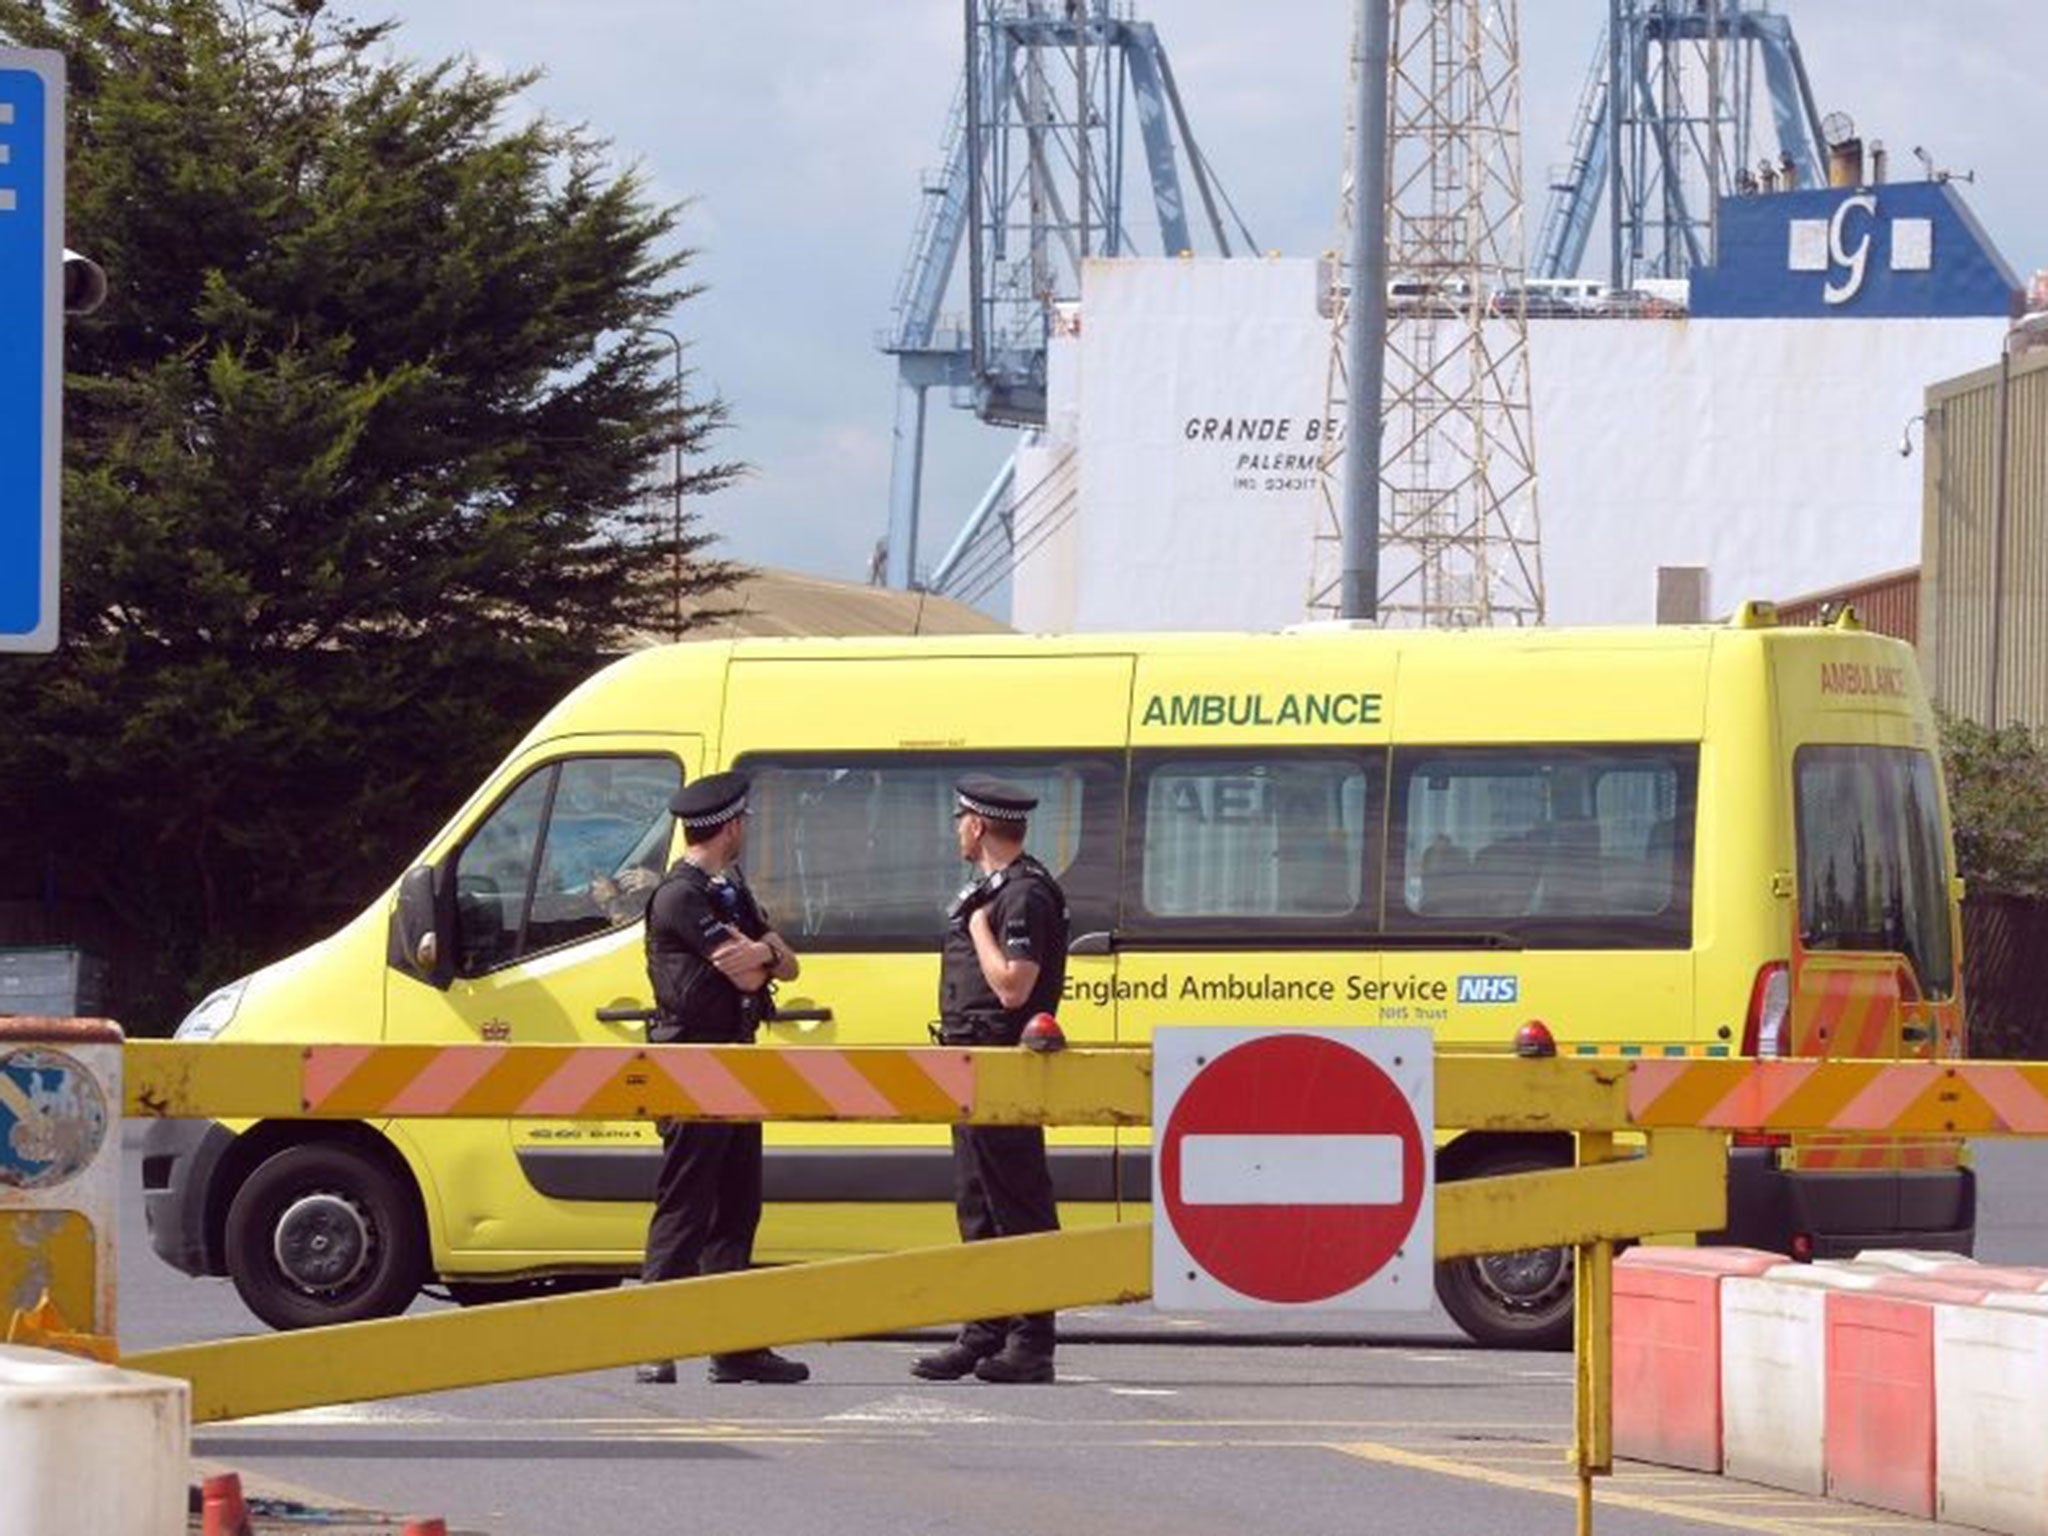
x: 1822, y: 1013
x: 1880, y: 1007
x: 1975, y: 1098
x: 490, y: 1081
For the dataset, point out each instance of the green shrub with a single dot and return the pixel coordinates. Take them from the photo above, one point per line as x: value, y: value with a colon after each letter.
x: 1998, y: 800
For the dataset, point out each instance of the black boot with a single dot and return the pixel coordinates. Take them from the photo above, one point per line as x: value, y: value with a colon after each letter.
x: 949, y: 1364
x: 759, y: 1365
x: 655, y: 1373
x: 1015, y: 1365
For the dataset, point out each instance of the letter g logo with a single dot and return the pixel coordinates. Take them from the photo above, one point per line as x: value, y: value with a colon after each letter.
x: 1858, y: 260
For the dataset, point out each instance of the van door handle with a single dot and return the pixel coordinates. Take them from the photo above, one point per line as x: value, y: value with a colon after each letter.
x: 1094, y: 943
x: 801, y: 1016
x: 625, y: 1015
x: 1916, y: 1034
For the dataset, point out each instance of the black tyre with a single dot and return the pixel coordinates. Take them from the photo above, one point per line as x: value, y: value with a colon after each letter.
x: 324, y: 1233
x: 1511, y: 1300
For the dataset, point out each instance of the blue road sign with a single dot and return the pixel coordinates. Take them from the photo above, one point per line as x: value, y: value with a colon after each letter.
x: 53, y: 1118
x: 31, y: 339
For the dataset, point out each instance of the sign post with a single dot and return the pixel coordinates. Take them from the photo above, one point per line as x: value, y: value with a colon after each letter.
x: 31, y: 342
x: 60, y: 1179
x: 1293, y: 1168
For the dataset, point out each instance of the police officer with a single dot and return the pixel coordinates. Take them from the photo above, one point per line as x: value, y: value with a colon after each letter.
x: 1004, y: 960
x: 710, y: 957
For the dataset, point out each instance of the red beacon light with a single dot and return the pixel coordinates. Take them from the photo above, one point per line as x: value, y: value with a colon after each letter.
x: 1043, y: 1033
x: 1534, y: 1042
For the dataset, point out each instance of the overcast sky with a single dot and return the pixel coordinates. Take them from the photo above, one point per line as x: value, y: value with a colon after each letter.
x: 799, y: 132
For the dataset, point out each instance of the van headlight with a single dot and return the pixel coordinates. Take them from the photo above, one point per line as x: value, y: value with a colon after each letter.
x: 214, y: 1012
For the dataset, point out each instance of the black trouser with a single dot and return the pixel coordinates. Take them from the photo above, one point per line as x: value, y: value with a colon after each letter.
x: 707, y: 1202
x: 1003, y: 1188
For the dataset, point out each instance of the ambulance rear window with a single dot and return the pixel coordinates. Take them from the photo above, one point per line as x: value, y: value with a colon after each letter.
x: 1873, y: 867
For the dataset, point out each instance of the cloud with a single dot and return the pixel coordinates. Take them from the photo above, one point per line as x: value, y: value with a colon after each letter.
x: 801, y: 132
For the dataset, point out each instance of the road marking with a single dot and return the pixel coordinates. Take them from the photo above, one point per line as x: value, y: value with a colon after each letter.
x: 908, y: 1408
x: 1565, y: 1488
x: 1144, y: 1391
x: 760, y: 1434
x: 911, y: 1417
x: 359, y: 1415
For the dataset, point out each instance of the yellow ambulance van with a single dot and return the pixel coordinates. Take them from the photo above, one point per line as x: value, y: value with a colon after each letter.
x: 1726, y: 840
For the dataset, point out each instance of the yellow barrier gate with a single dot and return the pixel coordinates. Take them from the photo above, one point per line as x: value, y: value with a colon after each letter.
x: 1681, y: 1108
x: 1677, y: 1184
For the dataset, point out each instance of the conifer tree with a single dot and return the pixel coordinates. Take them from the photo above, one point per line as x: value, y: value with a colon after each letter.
x: 358, y: 457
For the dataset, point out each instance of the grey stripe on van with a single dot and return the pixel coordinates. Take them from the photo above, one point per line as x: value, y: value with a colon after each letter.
x: 831, y: 1174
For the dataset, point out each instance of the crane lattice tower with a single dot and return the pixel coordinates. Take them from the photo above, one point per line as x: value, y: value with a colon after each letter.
x: 1459, y: 539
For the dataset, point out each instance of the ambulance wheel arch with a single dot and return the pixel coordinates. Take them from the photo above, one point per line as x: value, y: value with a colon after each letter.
x: 319, y: 1224
x: 1508, y: 1301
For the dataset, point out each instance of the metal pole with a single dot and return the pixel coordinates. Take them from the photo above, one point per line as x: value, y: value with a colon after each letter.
x: 675, y: 490
x: 976, y: 341
x: 1365, y: 342
x: 1998, y: 527
x: 1593, y: 1347
x: 906, y: 485
x: 1714, y: 173
x: 1083, y: 95
x: 1617, y: 93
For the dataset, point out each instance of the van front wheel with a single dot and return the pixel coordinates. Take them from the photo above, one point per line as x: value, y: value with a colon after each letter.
x: 324, y: 1233
x: 1510, y: 1300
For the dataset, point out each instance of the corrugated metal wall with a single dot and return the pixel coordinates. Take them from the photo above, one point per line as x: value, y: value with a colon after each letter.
x: 1960, y: 545
x: 1888, y: 605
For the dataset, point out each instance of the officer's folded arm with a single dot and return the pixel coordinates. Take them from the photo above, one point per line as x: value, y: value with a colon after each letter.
x: 785, y: 965
x: 1010, y: 978
x: 746, y: 963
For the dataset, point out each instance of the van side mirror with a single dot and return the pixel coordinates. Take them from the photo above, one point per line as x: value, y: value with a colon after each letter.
x: 419, y: 942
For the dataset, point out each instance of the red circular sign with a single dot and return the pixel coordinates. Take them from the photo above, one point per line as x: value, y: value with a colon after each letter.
x: 1279, y: 1086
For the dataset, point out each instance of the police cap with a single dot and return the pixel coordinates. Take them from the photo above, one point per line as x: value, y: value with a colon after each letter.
x: 994, y: 799
x: 710, y: 801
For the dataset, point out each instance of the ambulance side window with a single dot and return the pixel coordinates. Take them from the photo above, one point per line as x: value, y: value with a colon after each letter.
x: 574, y: 850
x: 1553, y: 847
x: 1254, y: 842
x: 856, y: 851
x: 492, y: 873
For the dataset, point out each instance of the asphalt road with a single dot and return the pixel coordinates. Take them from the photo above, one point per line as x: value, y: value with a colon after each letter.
x: 1159, y: 1426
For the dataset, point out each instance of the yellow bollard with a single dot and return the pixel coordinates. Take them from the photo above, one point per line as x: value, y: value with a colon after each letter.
x: 60, y: 1173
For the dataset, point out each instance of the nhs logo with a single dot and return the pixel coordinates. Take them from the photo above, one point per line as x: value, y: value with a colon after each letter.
x: 1489, y: 989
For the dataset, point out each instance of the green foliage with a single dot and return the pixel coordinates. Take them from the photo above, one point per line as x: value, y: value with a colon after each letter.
x: 357, y: 465
x: 1998, y: 799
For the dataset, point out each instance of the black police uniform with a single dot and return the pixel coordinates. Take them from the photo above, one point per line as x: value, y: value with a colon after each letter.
x: 707, y: 1202
x: 707, y: 1198
x: 1002, y: 1185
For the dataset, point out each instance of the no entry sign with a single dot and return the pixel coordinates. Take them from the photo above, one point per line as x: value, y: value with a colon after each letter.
x: 1293, y: 1168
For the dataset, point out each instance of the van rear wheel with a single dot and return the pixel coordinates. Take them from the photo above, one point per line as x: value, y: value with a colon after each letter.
x: 324, y: 1233
x: 1517, y: 1300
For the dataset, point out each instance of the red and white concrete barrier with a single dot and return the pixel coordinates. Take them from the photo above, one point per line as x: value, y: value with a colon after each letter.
x: 1911, y: 1382
x: 1667, y: 1351
x: 1991, y: 1414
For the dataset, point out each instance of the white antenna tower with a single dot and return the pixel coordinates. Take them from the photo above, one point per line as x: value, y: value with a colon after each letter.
x: 1459, y: 541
